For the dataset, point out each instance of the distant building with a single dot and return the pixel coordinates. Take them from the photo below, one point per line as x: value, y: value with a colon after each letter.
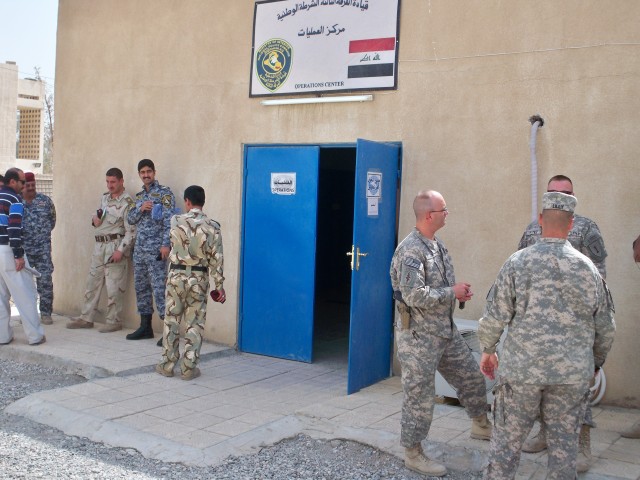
x: 21, y: 120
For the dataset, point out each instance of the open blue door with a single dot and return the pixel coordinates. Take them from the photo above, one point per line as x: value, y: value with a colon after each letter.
x: 279, y: 245
x: 374, y: 235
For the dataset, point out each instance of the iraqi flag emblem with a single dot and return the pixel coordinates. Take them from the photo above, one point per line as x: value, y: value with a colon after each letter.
x: 373, y: 57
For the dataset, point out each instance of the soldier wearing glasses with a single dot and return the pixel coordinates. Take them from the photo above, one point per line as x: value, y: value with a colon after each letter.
x: 426, y: 291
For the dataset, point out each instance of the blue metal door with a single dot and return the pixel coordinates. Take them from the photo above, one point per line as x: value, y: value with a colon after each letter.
x: 374, y: 235
x: 279, y: 245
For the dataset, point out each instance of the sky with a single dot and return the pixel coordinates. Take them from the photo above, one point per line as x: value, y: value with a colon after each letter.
x: 28, y: 36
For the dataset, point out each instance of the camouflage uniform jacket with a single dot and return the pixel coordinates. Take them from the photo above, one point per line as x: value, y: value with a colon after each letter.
x: 585, y: 237
x: 153, y: 234
x: 196, y: 240
x: 421, y: 269
x: 113, y: 220
x: 558, y: 311
x: 38, y: 222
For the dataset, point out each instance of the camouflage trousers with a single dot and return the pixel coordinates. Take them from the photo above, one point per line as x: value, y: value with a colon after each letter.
x: 44, y: 265
x: 186, y: 297
x: 113, y: 276
x: 420, y: 355
x: 150, y: 277
x: 516, y: 406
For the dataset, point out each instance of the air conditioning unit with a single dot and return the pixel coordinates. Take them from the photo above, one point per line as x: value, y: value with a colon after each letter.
x: 469, y: 331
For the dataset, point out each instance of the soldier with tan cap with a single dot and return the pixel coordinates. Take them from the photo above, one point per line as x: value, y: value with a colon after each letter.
x: 559, y: 319
x: 114, y: 238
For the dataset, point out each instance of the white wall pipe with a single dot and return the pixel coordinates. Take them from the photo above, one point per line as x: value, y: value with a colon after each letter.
x: 536, y: 122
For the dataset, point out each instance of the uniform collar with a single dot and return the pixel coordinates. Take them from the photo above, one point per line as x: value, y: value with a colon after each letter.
x: 153, y: 186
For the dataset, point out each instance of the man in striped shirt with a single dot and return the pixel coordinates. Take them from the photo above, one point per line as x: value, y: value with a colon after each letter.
x: 15, y: 281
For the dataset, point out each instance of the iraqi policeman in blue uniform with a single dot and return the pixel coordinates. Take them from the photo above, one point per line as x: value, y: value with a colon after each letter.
x: 152, y: 212
x: 38, y: 220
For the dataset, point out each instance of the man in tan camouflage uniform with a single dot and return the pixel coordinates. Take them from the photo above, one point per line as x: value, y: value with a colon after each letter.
x: 585, y: 237
x: 196, y: 253
x: 109, y: 265
x: 559, y: 315
x: 424, y: 284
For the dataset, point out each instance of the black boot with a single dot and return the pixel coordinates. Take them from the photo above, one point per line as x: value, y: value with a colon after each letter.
x: 144, y: 331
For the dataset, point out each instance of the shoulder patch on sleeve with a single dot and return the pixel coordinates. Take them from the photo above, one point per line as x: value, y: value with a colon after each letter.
x: 166, y: 201
x: 607, y: 292
x: 412, y: 262
x: 595, y: 246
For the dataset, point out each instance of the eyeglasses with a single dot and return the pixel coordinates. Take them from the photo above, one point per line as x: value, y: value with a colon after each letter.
x: 444, y: 210
x: 22, y: 181
x: 566, y: 192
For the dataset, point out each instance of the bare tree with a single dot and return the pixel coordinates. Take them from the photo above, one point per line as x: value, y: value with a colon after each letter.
x: 47, y: 166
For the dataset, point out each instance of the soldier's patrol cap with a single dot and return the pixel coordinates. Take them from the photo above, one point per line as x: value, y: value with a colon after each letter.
x: 559, y: 201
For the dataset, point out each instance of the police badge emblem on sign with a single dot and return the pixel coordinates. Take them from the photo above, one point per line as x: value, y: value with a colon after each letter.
x: 273, y: 63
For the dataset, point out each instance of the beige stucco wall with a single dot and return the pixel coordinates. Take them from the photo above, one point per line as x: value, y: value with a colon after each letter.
x: 169, y: 80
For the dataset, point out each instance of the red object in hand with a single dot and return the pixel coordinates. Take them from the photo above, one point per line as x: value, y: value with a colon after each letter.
x: 216, y: 296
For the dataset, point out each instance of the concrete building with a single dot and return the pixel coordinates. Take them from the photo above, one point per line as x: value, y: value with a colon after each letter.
x: 170, y: 81
x: 21, y: 120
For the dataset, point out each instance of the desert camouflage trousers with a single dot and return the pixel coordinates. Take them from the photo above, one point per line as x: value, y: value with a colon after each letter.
x: 111, y: 275
x: 186, y: 299
x: 44, y: 265
x: 420, y: 355
x: 516, y: 406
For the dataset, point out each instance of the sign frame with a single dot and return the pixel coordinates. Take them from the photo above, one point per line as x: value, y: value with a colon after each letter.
x: 277, y: 70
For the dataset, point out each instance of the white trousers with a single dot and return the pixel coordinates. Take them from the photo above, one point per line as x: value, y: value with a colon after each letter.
x: 22, y: 288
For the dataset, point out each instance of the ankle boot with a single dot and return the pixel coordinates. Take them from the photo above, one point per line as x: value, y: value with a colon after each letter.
x: 144, y: 331
x: 481, y: 428
x: 416, y: 460
x: 585, y: 459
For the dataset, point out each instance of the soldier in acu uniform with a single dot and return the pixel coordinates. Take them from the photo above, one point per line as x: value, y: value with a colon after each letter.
x: 424, y: 285
x: 559, y: 315
x: 109, y: 265
x: 196, y: 253
x: 152, y: 212
x: 585, y: 237
x: 38, y: 222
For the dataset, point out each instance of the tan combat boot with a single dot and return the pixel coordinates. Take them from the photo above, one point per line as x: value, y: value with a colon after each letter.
x: 46, y: 320
x: 536, y: 443
x: 190, y: 374
x: 481, y: 428
x: 79, y: 323
x: 110, y: 327
x: 633, y: 432
x: 415, y: 459
x: 585, y: 459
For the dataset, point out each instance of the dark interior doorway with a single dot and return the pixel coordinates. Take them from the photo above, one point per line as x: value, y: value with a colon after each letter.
x: 336, y: 185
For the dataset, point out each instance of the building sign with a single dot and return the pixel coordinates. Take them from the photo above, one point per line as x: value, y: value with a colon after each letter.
x: 283, y: 183
x: 319, y: 46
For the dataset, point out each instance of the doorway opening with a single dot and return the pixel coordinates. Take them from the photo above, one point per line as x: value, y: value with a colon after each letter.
x: 336, y: 185
x: 319, y: 229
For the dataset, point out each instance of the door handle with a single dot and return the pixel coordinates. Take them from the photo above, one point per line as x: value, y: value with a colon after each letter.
x: 350, y: 254
x: 358, y: 255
